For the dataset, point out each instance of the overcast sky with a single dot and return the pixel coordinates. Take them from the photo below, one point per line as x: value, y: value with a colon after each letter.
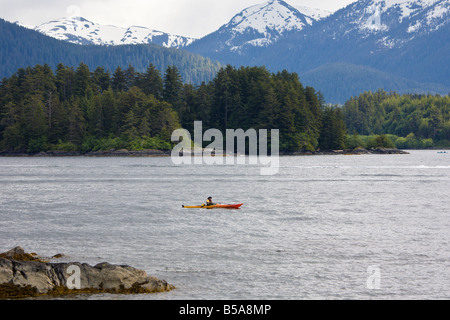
x: 194, y: 18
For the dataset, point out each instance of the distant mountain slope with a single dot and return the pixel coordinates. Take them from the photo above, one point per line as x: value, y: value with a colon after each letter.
x: 405, y: 40
x: 81, y: 31
x: 388, y: 44
x: 21, y: 47
x: 342, y: 80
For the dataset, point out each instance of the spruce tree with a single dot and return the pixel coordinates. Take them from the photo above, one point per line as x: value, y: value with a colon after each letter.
x: 172, y: 86
x: 151, y: 82
x: 119, y: 82
x: 82, y: 80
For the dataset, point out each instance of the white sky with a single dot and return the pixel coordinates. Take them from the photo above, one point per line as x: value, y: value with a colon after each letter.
x: 195, y: 18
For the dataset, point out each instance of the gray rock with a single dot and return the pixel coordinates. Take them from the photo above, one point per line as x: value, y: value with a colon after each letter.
x: 104, y: 277
x: 14, y: 251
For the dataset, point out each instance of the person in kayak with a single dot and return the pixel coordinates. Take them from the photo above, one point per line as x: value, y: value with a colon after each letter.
x: 209, y: 202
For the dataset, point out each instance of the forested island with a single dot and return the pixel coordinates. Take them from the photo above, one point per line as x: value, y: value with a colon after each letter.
x: 409, y: 121
x: 82, y: 110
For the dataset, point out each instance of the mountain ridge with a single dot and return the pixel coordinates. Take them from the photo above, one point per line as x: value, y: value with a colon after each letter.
x: 21, y: 48
x: 79, y: 30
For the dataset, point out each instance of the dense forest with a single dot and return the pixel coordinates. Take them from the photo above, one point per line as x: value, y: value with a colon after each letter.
x: 86, y: 110
x: 408, y: 121
x: 20, y: 47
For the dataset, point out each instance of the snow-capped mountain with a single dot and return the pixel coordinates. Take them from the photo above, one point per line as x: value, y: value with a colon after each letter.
x: 258, y: 26
x: 407, y: 39
x: 359, y: 33
x: 263, y: 25
x: 81, y: 31
x: 275, y: 15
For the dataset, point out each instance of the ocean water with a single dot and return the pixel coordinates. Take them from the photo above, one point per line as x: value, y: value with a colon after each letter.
x: 324, y: 227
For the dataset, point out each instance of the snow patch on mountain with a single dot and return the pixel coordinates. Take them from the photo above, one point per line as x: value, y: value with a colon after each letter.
x: 82, y: 31
x: 382, y: 15
x: 436, y: 17
x: 314, y: 13
x: 390, y: 23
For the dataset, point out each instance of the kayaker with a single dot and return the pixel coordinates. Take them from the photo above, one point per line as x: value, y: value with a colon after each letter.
x: 209, y: 202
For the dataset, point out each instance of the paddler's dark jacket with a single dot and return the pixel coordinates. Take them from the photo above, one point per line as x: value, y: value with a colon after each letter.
x: 209, y: 202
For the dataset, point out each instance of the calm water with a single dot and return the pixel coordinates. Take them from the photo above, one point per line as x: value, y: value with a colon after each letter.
x: 310, y: 232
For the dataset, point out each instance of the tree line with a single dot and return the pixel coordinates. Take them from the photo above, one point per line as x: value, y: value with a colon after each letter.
x: 83, y: 110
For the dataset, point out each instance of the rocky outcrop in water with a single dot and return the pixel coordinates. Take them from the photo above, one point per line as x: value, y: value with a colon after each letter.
x: 23, y: 274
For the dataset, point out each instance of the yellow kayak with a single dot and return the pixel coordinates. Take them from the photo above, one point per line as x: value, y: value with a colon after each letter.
x: 216, y: 206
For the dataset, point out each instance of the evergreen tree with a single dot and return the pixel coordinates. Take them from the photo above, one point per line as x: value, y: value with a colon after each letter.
x: 64, y: 82
x: 151, y: 82
x: 144, y: 124
x: 110, y: 110
x: 76, y: 123
x: 95, y: 117
x: 226, y: 99
x: 172, y: 87
x: 131, y: 77
x: 82, y: 81
x: 119, y: 81
x: 13, y: 137
x: 129, y: 128
x: 333, y: 133
x: 34, y: 124
x: 203, y: 104
x: 101, y: 80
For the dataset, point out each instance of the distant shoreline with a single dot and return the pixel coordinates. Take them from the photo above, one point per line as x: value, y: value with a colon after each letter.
x: 160, y: 153
x: 110, y: 153
x: 359, y: 151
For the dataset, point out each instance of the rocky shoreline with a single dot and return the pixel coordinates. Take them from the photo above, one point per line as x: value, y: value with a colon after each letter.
x: 28, y: 275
